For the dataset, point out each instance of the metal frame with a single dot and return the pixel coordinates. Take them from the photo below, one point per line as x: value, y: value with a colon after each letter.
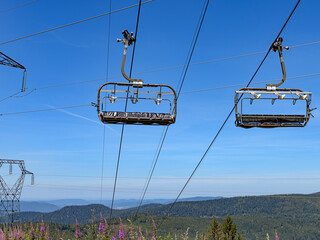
x: 295, y: 95
x: 265, y: 120
x: 7, y: 61
x: 153, y: 99
x: 10, y: 196
x: 136, y: 83
x: 174, y: 112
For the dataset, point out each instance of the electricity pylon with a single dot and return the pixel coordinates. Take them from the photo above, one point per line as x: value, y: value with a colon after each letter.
x: 7, y: 61
x: 10, y: 196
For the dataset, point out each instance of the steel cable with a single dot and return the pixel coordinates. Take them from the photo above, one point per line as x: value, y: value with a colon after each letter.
x: 163, y: 69
x: 2, y: 11
x: 69, y: 24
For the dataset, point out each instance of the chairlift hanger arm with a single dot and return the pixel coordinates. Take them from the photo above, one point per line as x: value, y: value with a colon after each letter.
x: 128, y: 40
x: 277, y: 47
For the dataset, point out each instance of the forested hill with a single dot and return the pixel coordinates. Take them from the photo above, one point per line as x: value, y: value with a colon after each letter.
x: 268, y: 206
x: 275, y: 205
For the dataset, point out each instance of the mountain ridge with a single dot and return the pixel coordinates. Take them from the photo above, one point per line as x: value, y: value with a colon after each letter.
x: 293, y: 205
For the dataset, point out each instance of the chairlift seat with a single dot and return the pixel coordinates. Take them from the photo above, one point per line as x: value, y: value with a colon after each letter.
x: 144, y: 118
x: 261, y: 120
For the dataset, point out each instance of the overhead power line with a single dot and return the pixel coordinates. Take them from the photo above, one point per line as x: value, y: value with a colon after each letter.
x: 2, y: 11
x: 225, y: 121
x: 181, y: 82
x: 10, y: 96
x: 239, y: 85
x: 163, y: 69
x: 197, y: 178
x: 69, y: 24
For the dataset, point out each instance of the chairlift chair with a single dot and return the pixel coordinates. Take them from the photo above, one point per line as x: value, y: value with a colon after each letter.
x: 272, y: 93
x: 138, y: 88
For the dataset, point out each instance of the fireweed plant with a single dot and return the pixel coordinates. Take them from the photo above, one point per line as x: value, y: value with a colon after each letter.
x: 104, y: 232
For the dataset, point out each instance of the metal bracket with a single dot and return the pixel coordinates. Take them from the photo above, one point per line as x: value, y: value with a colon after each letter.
x: 128, y: 40
x: 134, y: 98
x: 276, y: 46
x: 294, y: 101
x: 137, y: 84
x: 128, y: 36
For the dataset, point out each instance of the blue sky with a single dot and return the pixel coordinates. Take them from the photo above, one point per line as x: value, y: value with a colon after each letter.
x: 64, y: 148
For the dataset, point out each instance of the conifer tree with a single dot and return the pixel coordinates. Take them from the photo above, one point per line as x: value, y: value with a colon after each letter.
x: 225, y: 231
x: 229, y: 229
x: 214, y: 232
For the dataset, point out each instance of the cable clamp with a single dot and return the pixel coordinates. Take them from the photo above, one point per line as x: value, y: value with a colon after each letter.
x: 137, y: 84
x: 271, y: 88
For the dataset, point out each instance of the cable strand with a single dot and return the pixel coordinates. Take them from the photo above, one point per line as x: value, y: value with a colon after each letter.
x: 8, y: 9
x: 69, y: 24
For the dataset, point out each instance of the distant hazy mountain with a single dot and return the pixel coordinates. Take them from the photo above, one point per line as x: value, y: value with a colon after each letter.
x: 123, y: 203
x: 68, y: 202
x: 53, y: 205
x: 26, y: 206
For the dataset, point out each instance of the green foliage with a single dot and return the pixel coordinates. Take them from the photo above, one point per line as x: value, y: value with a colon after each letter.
x: 225, y: 231
x: 214, y: 231
x: 293, y: 216
x: 229, y: 228
x: 93, y: 232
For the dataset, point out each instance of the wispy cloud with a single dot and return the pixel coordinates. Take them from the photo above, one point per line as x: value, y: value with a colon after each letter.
x: 82, y: 117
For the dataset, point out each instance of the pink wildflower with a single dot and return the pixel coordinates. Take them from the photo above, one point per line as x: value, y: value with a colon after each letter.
x: 101, y: 226
x: 42, y: 229
x: 78, y: 233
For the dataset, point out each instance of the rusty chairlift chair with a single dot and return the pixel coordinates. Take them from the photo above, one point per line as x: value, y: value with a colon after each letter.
x: 272, y: 93
x: 138, y: 89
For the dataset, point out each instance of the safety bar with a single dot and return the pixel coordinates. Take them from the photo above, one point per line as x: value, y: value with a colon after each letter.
x: 134, y: 91
x: 141, y: 98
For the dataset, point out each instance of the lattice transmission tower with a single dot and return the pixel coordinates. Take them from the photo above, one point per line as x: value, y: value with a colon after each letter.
x: 10, y: 196
x: 7, y: 61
